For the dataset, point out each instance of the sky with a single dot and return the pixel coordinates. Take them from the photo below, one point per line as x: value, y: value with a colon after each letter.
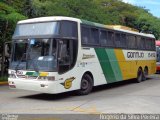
x: 152, y: 5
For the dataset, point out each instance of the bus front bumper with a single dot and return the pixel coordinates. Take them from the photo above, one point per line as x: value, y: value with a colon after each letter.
x: 52, y: 87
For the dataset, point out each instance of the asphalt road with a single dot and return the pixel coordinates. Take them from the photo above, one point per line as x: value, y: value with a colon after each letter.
x: 123, y: 97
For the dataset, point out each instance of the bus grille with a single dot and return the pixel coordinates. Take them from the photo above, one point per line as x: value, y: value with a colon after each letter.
x: 21, y: 76
x: 27, y: 77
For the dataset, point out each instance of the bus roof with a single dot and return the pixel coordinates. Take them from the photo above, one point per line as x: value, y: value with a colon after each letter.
x: 47, y: 19
x: 117, y: 28
x: 54, y: 18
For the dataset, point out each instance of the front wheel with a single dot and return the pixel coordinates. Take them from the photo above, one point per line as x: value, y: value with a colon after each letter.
x: 86, y: 85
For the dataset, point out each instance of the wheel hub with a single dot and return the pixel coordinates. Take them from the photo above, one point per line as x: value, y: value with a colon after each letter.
x: 85, y: 84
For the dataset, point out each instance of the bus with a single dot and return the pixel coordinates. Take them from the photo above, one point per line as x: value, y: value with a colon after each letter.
x: 158, y: 56
x: 60, y: 54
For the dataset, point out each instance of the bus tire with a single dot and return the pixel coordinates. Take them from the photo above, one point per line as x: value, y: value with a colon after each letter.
x: 139, y: 75
x: 86, y: 85
x: 145, y: 73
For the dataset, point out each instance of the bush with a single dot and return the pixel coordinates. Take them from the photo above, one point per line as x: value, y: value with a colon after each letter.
x: 3, y: 79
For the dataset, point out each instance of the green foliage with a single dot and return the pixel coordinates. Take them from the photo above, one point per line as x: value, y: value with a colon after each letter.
x: 8, y: 20
x: 4, y: 79
x: 101, y: 11
x: 85, y: 9
x: 23, y: 7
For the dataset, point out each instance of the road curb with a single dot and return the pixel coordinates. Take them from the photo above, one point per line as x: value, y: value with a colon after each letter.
x: 3, y: 83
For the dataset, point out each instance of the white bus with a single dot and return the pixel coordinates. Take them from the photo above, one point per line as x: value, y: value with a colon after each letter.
x: 60, y: 54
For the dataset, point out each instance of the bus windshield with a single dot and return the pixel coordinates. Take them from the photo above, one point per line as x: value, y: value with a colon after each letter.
x: 34, y: 54
x: 35, y: 45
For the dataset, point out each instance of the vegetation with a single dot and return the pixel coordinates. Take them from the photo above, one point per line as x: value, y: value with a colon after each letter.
x: 8, y: 19
x: 3, y: 79
x: 102, y: 11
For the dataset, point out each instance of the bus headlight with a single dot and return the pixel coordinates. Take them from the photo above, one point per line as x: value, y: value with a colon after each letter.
x: 51, y: 78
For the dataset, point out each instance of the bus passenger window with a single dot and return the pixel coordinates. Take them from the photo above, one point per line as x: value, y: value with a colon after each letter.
x: 110, y: 38
x: 143, y: 43
x: 103, y: 37
x: 123, y: 40
x: 94, y: 36
x: 139, y: 43
x: 85, y: 33
x: 153, y: 44
x: 117, y: 40
x: 132, y: 42
x: 149, y: 44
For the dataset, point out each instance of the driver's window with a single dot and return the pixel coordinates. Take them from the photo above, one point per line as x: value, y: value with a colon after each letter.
x: 64, y: 52
x: 64, y: 56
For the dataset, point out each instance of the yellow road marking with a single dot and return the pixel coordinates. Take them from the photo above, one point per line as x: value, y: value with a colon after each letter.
x: 3, y: 83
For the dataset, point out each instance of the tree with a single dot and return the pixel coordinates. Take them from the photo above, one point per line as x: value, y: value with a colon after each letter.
x: 23, y: 7
x: 8, y: 20
x: 83, y: 9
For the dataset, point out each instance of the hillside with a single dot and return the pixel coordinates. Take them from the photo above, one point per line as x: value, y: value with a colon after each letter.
x: 102, y: 11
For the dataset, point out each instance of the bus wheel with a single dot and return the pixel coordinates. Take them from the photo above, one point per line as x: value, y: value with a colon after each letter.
x: 86, y: 85
x: 145, y: 73
x: 139, y: 75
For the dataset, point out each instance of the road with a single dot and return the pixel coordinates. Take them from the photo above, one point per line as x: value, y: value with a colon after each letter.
x: 122, y: 97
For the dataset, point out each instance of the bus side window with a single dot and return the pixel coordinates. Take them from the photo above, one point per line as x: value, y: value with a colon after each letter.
x: 117, y: 39
x: 67, y: 55
x: 139, y: 42
x: 63, y: 56
x: 148, y: 45
x: 110, y: 38
x: 94, y: 36
x: 142, y: 44
x: 103, y: 37
x: 85, y: 34
x: 153, y: 45
x: 131, y: 42
x: 123, y: 40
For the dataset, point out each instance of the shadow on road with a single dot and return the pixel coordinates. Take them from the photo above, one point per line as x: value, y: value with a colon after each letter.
x: 68, y: 95
x: 50, y: 97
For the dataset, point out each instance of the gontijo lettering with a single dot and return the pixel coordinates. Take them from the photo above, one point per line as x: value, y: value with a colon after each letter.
x: 135, y: 54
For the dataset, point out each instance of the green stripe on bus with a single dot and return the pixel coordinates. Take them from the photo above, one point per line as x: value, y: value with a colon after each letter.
x: 32, y: 73
x: 114, y: 63
x: 105, y: 64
